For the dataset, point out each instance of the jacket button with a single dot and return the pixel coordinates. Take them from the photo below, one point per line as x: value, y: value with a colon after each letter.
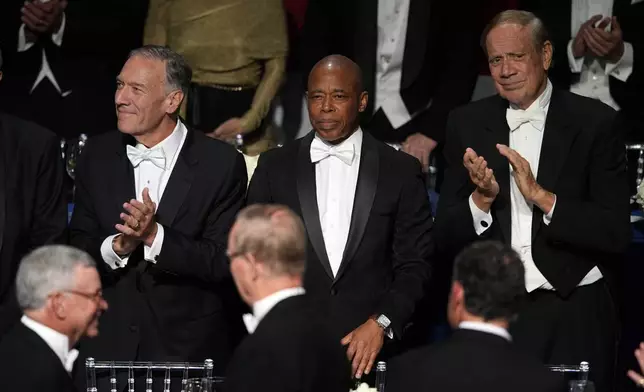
x: 334, y: 292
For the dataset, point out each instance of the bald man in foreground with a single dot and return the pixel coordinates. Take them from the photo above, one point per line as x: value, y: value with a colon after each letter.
x: 366, y: 214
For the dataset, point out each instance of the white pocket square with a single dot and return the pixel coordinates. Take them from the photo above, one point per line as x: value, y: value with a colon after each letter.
x: 636, y: 1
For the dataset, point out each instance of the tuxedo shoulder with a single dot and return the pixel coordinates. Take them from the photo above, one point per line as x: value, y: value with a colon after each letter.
x: 588, y: 109
x: 214, y: 147
x: 26, y: 131
x: 286, y: 153
x: 479, y: 107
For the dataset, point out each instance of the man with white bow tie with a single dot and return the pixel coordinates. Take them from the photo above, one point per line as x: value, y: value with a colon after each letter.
x: 59, y: 291
x: 366, y: 213
x: 542, y: 170
x: 155, y: 202
x: 290, y: 347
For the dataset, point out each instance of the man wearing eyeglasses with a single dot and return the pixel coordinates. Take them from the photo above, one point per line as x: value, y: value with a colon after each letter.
x: 59, y: 291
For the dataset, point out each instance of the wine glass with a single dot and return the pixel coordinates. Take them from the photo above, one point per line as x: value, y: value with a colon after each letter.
x: 73, y: 152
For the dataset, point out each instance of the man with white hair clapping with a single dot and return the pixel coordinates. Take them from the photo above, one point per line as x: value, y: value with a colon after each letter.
x: 59, y: 291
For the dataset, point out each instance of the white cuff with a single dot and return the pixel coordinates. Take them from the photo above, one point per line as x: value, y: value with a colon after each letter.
x: 23, y: 45
x: 57, y: 37
x: 547, y: 218
x: 575, y: 64
x: 150, y: 253
x: 109, y: 256
x: 482, y: 220
x: 623, y: 68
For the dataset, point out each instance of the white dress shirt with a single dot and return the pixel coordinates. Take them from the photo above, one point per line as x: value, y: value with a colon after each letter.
x: 264, y: 305
x: 58, y: 342
x: 336, y: 183
x: 594, y: 72
x: 526, y: 139
x: 45, y: 69
x: 148, y: 175
x: 487, y: 328
x: 392, y: 33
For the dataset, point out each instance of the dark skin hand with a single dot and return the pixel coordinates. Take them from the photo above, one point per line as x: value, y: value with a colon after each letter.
x: 42, y: 18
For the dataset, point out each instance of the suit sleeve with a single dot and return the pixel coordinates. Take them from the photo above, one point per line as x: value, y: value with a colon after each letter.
x: 50, y: 208
x: 454, y: 221
x: 600, y: 219
x: 84, y: 229
x: 259, y: 190
x: 412, y: 251
x: 204, y: 257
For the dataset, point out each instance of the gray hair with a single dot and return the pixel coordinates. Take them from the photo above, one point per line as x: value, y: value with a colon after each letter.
x: 275, y: 235
x: 47, y: 270
x: 178, y: 73
x: 522, y: 18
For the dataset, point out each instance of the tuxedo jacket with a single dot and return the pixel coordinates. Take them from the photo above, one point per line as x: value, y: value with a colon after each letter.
x: 33, y: 211
x: 557, y: 17
x: 178, y: 308
x: 292, y: 349
x: 386, y: 260
x: 28, y: 364
x: 440, y: 58
x: 582, y: 161
x: 96, y: 40
x: 470, y: 361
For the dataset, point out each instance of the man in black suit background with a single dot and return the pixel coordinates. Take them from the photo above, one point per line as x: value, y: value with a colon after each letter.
x: 154, y: 203
x: 487, y: 288
x: 366, y: 212
x: 418, y: 57
x: 542, y: 170
x: 33, y: 211
x: 599, y: 49
x: 62, y: 57
x: 290, y: 347
x: 59, y: 292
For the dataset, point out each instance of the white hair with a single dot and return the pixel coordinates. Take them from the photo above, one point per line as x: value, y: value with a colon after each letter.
x: 47, y: 270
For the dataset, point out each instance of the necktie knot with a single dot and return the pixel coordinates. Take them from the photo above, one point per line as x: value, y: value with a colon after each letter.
x: 516, y: 118
x: 155, y: 155
x: 320, y: 151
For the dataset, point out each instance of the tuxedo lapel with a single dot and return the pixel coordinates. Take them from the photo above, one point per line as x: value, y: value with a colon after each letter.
x: 363, y: 200
x: 558, y: 136
x: 124, y: 187
x: 500, y: 134
x: 307, y: 194
x: 179, y: 182
x: 418, y: 24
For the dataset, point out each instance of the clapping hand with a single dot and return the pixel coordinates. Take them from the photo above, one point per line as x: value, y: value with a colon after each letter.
x: 633, y: 375
x: 487, y: 188
x: 139, y: 224
x: 43, y: 17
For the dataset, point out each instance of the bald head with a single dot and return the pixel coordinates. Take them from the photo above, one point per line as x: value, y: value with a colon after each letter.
x: 335, y: 97
x: 339, y: 63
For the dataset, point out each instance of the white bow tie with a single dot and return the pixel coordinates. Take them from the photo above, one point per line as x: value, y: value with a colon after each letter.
x: 72, y: 355
x: 516, y: 118
x: 320, y: 151
x: 250, y: 322
x: 136, y: 156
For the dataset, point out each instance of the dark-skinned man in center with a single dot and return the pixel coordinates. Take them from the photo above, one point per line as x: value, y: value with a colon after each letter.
x: 366, y: 213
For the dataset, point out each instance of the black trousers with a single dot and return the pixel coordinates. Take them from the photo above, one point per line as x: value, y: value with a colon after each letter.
x: 582, y: 327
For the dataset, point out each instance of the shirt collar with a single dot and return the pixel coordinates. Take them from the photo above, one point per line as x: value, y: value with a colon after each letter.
x: 355, y: 139
x: 264, y: 305
x: 487, y: 328
x: 542, y: 103
x: 58, y: 342
x: 170, y: 145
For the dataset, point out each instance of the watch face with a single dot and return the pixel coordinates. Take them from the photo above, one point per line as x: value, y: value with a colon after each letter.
x: 384, y: 321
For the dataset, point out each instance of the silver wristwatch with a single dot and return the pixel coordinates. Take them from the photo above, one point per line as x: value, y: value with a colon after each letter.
x: 383, y: 321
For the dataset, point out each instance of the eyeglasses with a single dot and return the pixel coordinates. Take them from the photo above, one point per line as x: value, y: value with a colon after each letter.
x: 94, y: 297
